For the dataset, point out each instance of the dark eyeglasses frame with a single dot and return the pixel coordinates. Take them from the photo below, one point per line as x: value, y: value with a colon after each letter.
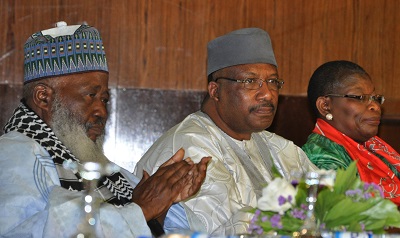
x: 277, y: 81
x: 380, y: 99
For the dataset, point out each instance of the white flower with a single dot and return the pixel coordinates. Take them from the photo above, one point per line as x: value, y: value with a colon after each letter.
x: 278, y: 196
x: 327, y: 177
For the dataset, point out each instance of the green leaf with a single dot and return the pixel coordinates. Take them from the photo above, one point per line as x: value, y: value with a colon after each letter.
x: 346, y: 179
x: 326, y: 200
x: 291, y: 224
x: 375, y: 225
x: 385, y: 210
x: 301, y: 194
x: 354, y: 226
x: 346, y: 211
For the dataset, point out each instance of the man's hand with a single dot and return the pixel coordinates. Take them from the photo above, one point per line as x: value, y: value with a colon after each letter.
x: 175, y: 180
x: 196, y: 177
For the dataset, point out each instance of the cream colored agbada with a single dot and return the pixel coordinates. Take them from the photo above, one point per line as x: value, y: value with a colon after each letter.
x: 228, y: 188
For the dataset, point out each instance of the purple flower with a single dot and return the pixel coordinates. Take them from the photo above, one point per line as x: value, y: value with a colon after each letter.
x: 366, y: 186
x: 298, y: 213
x: 290, y: 198
x: 322, y: 226
x: 255, y: 217
x: 276, y: 221
x: 362, y: 226
x: 370, y: 190
x: 281, y: 200
x: 295, y: 183
x: 264, y: 218
x: 253, y: 228
x: 367, y: 195
x: 352, y: 193
x: 378, y: 188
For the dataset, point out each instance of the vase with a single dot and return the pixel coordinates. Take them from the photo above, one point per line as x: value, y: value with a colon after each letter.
x: 310, y: 228
x: 88, y: 216
x: 88, y: 227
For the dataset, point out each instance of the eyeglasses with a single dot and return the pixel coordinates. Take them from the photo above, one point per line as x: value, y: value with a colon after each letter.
x: 365, y: 98
x: 256, y: 83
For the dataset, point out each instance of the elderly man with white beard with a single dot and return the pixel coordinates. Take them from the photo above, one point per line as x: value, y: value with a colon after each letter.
x: 60, y: 119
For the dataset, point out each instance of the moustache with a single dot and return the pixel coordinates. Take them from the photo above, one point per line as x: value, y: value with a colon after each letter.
x: 98, y: 123
x: 268, y: 104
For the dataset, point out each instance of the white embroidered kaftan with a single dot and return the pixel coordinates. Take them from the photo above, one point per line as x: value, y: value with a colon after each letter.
x: 227, y: 189
x: 33, y: 204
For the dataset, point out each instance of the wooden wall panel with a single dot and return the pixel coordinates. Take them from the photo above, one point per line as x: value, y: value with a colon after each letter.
x: 161, y: 44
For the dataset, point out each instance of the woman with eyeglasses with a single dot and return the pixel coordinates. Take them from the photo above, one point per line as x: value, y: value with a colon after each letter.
x: 348, y: 110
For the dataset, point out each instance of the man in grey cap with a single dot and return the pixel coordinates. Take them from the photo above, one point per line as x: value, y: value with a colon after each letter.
x: 60, y: 122
x: 243, y: 88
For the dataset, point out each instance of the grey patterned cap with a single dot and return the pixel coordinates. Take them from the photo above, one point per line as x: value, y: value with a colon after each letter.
x: 243, y: 46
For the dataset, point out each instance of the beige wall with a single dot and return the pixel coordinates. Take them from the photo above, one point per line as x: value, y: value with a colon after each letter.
x: 162, y: 44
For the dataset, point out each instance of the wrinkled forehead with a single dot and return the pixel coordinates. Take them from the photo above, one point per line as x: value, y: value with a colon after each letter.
x: 256, y: 70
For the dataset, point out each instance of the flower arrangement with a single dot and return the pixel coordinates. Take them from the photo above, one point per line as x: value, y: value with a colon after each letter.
x: 342, y: 204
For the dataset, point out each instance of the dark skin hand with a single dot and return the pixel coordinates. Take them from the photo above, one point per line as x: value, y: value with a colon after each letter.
x: 174, y: 181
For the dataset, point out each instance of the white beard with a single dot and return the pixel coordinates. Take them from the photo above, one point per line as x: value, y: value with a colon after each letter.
x: 72, y: 134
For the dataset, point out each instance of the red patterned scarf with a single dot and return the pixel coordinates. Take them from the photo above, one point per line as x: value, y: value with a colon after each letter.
x: 371, y: 156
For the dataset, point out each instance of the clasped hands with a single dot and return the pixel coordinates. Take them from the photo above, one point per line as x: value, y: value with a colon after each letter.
x: 177, y: 179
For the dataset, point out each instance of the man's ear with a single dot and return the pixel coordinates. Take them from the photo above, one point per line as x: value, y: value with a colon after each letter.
x: 42, y: 96
x: 323, y: 105
x: 213, y: 90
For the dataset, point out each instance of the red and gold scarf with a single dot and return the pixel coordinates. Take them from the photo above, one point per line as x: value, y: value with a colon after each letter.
x: 371, y: 167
